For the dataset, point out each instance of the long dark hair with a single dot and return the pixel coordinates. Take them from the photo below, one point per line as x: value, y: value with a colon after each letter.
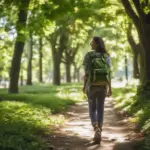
x: 100, y: 45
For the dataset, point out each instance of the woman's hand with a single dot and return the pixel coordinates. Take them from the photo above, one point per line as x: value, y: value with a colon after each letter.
x: 109, y: 90
x: 109, y: 93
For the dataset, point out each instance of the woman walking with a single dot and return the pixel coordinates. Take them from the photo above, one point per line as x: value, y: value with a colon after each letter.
x: 96, y: 92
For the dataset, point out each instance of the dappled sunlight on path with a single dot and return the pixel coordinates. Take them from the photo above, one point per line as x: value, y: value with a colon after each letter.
x: 77, y: 132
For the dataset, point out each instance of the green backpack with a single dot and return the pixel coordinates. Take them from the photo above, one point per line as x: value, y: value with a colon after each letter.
x: 99, y: 70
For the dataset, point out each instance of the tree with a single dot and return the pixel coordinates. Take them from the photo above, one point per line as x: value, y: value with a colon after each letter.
x: 136, y: 52
x: 77, y: 10
x: 69, y: 57
x: 19, y: 45
x: 140, y: 19
x: 57, y: 51
x: 77, y: 67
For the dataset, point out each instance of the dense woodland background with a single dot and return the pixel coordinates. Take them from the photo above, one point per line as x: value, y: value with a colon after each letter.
x: 45, y: 41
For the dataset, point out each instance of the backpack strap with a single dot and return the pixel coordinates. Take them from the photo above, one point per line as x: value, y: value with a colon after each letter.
x: 105, y: 57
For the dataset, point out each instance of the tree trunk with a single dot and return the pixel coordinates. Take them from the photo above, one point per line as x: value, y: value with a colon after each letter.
x: 143, y: 28
x: 40, y: 61
x: 69, y: 59
x: 68, y: 73
x: 136, y: 73
x: 145, y: 40
x: 144, y: 35
x: 78, y: 74
x: 74, y: 74
x: 136, y: 52
x: 56, y: 65
x: 142, y: 70
x: 56, y: 70
x: 57, y: 54
x: 30, y: 54
x: 19, y: 45
x: 68, y: 69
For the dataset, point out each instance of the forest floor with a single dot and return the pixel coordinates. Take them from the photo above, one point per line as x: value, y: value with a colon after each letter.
x: 77, y: 132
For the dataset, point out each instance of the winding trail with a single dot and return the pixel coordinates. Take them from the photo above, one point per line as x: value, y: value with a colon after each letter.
x: 77, y: 132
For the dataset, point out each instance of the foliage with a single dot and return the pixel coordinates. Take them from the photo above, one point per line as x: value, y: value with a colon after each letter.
x: 136, y: 107
x: 80, y: 21
x: 26, y: 117
x: 6, y: 44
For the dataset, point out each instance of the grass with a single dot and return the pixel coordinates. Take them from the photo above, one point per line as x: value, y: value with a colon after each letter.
x: 26, y: 116
x: 137, y: 107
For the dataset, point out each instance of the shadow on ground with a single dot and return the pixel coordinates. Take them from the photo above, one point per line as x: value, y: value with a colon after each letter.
x: 77, y: 133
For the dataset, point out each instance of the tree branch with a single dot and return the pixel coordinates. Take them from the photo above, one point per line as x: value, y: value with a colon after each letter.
x: 75, y: 52
x: 130, y: 39
x: 75, y: 65
x: 139, y: 8
x: 63, y: 61
x: 144, y: 3
x: 136, y: 48
x: 129, y: 10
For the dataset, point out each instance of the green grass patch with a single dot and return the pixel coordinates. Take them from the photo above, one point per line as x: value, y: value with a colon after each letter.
x: 137, y: 106
x: 26, y: 116
x: 56, y: 98
x: 124, y: 97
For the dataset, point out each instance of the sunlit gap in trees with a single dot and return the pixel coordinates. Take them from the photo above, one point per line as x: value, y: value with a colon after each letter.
x: 71, y: 94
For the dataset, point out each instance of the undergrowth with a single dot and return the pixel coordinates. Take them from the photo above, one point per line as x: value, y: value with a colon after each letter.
x: 27, y: 116
x: 137, y: 107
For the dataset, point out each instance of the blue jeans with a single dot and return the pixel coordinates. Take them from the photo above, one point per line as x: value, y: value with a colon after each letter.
x: 96, y: 98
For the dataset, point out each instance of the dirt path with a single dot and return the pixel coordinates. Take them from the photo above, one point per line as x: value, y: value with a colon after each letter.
x: 77, y: 132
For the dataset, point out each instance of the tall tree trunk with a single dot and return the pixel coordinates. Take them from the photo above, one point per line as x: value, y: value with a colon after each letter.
x: 78, y: 74
x: 136, y: 73
x: 145, y: 40
x: 136, y: 52
x: 142, y: 74
x: 19, y: 46
x: 74, y: 73
x: 40, y: 61
x: 68, y: 69
x: 68, y: 73
x: 144, y: 36
x: 56, y: 70
x: 69, y: 59
x: 57, y: 54
x: 56, y: 64
x: 30, y: 54
x: 143, y: 28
